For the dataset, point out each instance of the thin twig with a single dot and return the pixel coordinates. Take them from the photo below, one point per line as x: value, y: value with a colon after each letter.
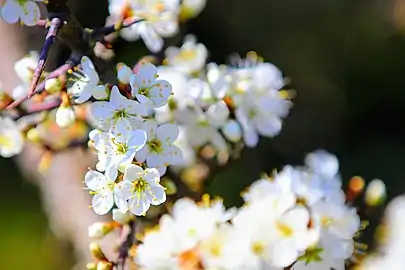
x: 125, y: 246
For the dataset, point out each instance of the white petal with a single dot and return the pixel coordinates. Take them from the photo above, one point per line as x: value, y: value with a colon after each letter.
x: 88, y: 68
x: 11, y: 11
x: 111, y: 173
x: 121, y: 130
x: 94, y: 180
x: 159, y: 195
x: 102, y: 203
x: 268, y: 125
x: 102, y: 111
x: 323, y: 163
x: 167, y: 133
x: 124, y: 74
x: 137, y: 139
x: 232, y: 131
x: 151, y: 39
x: 132, y: 173
x: 123, y: 190
x: 152, y: 176
x: 84, y: 94
x: 218, y: 113
x: 100, y: 92
x: 140, y: 205
x: 121, y: 203
x: 150, y: 127
x: 116, y: 99
x: 31, y: 13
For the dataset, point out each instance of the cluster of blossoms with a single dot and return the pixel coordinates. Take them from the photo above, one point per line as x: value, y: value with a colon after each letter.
x: 25, y: 11
x: 297, y: 218
x: 133, y: 150
x: 219, y: 105
x: 162, y: 18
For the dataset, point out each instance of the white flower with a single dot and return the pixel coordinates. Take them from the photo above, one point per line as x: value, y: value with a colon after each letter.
x: 159, y: 151
x: 65, y: 116
x: 25, y: 10
x: 202, y: 127
x: 292, y: 236
x: 103, y: 188
x: 161, y: 21
x: 86, y: 82
x: 261, y: 114
x: 118, y: 107
x: 118, y: 147
x: 338, y: 224
x: 141, y: 188
x: 189, y: 58
x: 319, y: 258
x: 147, y: 89
x: 11, y: 139
x: 159, y: 249
x: 26, y: 66
x: 222, y: 249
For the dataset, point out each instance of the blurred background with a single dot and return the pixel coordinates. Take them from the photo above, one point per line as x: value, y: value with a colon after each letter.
x: 345, y: 60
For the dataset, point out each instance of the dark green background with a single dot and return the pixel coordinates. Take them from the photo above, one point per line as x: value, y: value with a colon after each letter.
x: 345, y: 59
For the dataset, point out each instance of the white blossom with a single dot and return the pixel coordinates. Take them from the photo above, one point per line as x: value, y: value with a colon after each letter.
x: 160, y: 151
x: 189, y: 58
x: 26, y: 11
x: 11, y: 139
x: 141, y: 188
x: 106, y: 113
x: 147, y: 89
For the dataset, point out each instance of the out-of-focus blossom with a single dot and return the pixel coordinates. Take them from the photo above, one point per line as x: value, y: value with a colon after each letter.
x: 26, y: 11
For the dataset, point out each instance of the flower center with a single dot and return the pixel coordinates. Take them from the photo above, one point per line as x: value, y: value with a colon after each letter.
x: 6, y: 142
x: 252, y: 113
x: 155, y: 146
x: 139, y: 186
x: 284, y: 229
x: 258, y: 248
x: 120, y: 114
x: 187, y: 54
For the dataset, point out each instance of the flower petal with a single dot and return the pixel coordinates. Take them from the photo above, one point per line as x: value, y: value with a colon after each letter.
x: 102, y: 203
x: 139, y: 205
x: 132, y: 173
x: 167, y: 133
x: 94, y: 180
x: 31, y: 13
x: 11, y: 11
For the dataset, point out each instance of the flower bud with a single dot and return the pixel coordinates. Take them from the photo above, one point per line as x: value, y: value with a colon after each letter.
x: 33, y: 135
x: 232, y: 131
x: 191, y: 8
x: 375, y: 192
x: 53, y: 85
x: 121, y: 217
x: 96, y: 251
x: 101, y: 92
x: 124, y: 73
x: 100, y: 229
x: 65, y: 116
x: 103, y: 265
